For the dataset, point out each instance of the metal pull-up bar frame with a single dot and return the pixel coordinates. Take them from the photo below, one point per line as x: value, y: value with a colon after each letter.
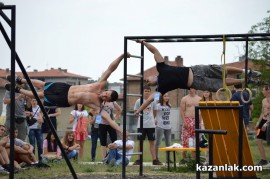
x: 15, y: 57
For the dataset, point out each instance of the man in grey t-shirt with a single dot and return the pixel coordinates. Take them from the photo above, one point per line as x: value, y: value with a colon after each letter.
x: 149, y: 114
x: 20, y: 118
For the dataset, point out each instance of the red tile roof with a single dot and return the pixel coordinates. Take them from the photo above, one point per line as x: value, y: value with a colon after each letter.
x: 46, y: 73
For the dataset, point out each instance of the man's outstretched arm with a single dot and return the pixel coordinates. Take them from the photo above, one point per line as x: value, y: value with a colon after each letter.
x: 112, y: 67
x: 158, y: 57
x: 145, y: 104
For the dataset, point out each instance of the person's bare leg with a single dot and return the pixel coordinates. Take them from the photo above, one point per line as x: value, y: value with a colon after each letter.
x: 233, y: 81
x: 152, y: 149
x: 103, y: 151
x: 4, y: 155
x: 261, y: 149
x: 233, y: 70
x: 81, y: 150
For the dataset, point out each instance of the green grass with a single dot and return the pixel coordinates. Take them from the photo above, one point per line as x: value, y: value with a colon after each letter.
x: 61, y: 169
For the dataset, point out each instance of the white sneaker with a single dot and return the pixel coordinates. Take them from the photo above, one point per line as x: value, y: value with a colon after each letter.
x: 267, y: 166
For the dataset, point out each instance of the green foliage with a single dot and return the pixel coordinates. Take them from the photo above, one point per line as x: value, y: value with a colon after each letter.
x: 259, y: 51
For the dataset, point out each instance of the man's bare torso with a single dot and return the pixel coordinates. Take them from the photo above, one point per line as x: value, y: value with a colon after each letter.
x: 87, y: 95
x: 190, y: 103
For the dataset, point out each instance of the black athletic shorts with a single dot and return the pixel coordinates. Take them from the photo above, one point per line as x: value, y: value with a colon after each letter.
x: 150, y: 132
x: 56, y: 94
x: 103, y: 130
x: 261, y: 134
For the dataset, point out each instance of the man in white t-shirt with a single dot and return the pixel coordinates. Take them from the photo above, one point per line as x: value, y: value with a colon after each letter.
x: 116, y: 152
x: 149, y: 114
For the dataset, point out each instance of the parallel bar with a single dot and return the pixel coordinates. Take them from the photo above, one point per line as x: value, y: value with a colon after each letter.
x: 135, y: 56
x: 137, y: 76
x: 135, y: 153
x: 203, y: 38
x: 207, y: 131
x: 134, y: 134
x: 135, y: 95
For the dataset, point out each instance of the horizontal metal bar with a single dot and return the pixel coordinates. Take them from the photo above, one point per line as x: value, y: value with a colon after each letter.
x: 137, y: 76
x: 207, y: 131
x: 135, y: 56
x: 134, y: 134
x: 135, y: 153
x: 204, y: 38
x: 51, y: 107
x: 135, y: 95
x: 132, y: 114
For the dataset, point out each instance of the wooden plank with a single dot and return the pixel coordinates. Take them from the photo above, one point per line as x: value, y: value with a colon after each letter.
x: 211, y: 121
x: 226, y: 146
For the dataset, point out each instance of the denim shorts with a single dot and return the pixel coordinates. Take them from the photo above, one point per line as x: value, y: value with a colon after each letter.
x: 207, y: 77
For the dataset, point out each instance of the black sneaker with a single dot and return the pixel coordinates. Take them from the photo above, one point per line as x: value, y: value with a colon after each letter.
x: 262, y: 162
x: 17, y: 79
x: 137, y: 162
x: 253, y: 73
x: 157, y: 162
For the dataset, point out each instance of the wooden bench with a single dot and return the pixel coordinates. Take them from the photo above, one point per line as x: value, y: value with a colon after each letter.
x: 166, y: 149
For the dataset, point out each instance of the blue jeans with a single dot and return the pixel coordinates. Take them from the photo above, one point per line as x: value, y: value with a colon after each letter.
x: 94, y: 138
x: 73, y: 154
x: 113, y: 154
x: 36, y: 134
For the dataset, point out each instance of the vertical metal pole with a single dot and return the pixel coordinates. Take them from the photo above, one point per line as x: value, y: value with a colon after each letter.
x: 210, y: 154
x: 240, y: 140
x: 12, y: 92
x: 38, y: 101
x: 141, y: 117
x: 124, y: 110
x: 246, y: 62
x: 197, y: 140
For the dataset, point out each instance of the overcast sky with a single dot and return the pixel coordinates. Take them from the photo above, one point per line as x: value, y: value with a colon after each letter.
x: 85, y: 36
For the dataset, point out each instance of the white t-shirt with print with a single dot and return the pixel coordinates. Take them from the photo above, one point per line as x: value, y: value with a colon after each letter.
x: 148, y: 116
x: 163, y: 116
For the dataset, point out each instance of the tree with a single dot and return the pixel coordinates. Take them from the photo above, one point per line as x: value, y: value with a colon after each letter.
x: 259, y: 51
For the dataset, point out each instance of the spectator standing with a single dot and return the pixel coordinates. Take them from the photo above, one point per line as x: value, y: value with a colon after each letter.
x: 261, y: 126
x: 52, y: 114
x: 247, y: 107
x: 20, y: 118
x: 149, y: 114
x: 163, y: 123
x: 105, y: 128
x: 79, y: 118
x: 187, y: 112
x: 34, y: 125
x: 94, y: 136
